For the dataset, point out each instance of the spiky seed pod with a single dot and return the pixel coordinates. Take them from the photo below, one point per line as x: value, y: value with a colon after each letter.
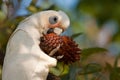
x: 68, y: 48
x: 50, y: 42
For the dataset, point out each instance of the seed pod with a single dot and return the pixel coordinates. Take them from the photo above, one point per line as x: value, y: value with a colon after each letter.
x: 50, y: 42
x: 68, y: 48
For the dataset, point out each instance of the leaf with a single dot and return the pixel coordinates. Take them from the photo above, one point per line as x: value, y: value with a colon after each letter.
x: 90, y: 68
x: 60, y: 69
x: 116, y: 61
x: 32, y: 9
x: 108, y: 67
x: 76, y: 35
x: 2, y: 16
x: 4, y: 9
x: 73, y: 72
x: 115, y: 74
x: 90, y: 51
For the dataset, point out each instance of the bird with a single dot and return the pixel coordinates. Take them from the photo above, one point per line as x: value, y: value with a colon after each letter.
x: 24, y: 59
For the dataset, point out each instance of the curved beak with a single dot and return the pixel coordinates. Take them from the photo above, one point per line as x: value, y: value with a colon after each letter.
x: 56, y: 30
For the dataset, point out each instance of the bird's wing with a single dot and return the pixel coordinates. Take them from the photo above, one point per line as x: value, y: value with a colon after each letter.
x: 25, y: 58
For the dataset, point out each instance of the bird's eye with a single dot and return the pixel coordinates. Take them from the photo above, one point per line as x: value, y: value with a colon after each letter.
x: 53, y: 19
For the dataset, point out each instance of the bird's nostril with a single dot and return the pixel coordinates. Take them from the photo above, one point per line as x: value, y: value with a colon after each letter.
x: 51, y: 30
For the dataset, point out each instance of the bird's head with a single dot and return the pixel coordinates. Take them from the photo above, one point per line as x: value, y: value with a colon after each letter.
x: 53, y: 21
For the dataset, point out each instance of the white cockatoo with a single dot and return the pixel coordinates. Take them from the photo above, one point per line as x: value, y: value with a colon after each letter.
x: 24, y: 60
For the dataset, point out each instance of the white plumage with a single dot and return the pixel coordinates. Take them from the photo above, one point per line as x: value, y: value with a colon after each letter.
x: 24, y: 59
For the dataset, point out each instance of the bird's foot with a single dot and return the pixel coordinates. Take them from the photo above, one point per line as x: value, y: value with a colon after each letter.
x: 54, y: 51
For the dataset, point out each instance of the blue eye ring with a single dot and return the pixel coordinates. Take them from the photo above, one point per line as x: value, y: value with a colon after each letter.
x: 53, y: 19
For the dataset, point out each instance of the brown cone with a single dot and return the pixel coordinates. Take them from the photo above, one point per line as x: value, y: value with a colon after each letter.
x: 50, y: 42
x: 68, y: 47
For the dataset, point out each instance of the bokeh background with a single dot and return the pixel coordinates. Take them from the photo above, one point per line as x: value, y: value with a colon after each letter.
x: 95, y: 26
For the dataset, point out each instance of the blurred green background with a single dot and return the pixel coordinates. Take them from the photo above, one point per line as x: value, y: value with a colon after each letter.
x: 95, y: 26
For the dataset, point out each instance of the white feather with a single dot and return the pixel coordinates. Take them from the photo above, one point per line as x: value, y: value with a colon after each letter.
x: 24, y: 59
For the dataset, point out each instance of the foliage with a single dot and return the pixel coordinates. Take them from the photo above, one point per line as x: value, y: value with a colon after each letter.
x: 88, y: 19
x: 90, y: 51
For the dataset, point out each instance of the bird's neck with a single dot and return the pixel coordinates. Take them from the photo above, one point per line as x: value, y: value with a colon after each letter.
x: 31, y: 29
